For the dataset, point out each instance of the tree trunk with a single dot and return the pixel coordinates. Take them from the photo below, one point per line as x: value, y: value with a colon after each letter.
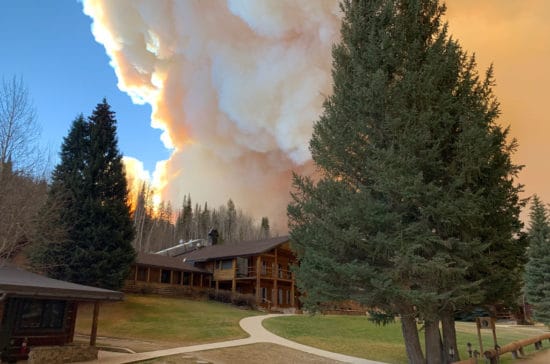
x: 450, y: 349
x: 412, y: 341
x: 433, y: 342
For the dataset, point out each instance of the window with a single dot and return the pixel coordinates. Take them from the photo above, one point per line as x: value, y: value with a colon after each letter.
x: 280, y: 297
x: 226, y: 264
x: 41, y: 314
x: 142, y: 274
x: 186, y: 278
x: 264, y: 292
x: 242, y: 267
x: 165, y: 276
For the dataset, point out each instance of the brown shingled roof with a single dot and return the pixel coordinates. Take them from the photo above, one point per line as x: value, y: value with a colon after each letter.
x: 243, y: 249
x: 162, y: 261
x: 17, y: 281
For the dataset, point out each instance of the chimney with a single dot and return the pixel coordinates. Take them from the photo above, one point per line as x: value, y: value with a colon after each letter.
x: 213, y: 236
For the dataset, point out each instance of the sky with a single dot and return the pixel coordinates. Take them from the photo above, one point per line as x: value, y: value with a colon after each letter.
x: 232, y: 88
x: 50, y: 46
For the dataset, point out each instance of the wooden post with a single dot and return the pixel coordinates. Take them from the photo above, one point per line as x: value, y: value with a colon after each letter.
x: 217, y: 286
x: 292, y: 300
x: 202, y: 275
x: 258, y: 272
x: 136, y: 272
x: 192, y: 280
x: 148, y: 274
x: 275, y: 273
x: 93, y: 335
x: 478, y: 325
x: 234, y: 276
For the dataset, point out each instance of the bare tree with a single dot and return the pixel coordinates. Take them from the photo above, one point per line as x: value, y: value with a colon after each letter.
x: 23, y: 213
x: 19, y: 130
x: 22, y: 191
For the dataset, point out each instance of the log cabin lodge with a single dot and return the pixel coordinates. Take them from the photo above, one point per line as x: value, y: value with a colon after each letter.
x: 260, y: 268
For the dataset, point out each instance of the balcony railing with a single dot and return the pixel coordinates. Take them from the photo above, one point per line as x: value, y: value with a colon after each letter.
x: 266, y: 272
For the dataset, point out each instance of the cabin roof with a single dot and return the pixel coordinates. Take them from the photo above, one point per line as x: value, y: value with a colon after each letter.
x: 241, y: 249
x: 20, y: 282
x: 162, y: 261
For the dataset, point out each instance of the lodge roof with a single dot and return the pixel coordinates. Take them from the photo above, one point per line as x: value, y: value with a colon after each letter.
x: 17, y: 281
x: 162, y: 261
x: 241, y: 249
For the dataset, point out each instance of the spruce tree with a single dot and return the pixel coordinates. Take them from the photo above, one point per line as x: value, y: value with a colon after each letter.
x: 55, y: 257
x: 537, y: 270
x: 91, y: 187
x: 406, y: 148
x: 230, y: 223
x: 264, y: 228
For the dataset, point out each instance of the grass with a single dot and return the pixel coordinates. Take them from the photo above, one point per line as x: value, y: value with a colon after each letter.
x: 357, y: 336
x: 172, y: 320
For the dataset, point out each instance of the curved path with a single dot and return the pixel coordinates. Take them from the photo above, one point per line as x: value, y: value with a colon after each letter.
x: 258, y: 334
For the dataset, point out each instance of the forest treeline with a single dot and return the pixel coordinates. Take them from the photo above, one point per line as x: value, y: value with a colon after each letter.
x: 162, y: 226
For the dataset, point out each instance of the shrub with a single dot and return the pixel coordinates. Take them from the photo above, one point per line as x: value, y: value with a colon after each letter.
x: 237, y: 299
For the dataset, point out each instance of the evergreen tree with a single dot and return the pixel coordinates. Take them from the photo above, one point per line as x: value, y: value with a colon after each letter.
x: 204, y: 222
x: 264, y: 228
x: 537, y: 270
x: 187, y: 218
x: 91, y: 184
x: 407, y: 146
x: 230, y: 222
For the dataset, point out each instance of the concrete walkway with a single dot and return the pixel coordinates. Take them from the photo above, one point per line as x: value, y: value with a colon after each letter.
x: 258, y: 334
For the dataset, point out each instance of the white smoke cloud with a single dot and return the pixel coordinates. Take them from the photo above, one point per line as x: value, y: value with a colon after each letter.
x: 235, y: 85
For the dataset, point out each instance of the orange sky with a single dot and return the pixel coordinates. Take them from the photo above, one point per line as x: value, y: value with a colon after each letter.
x: 515, y: 36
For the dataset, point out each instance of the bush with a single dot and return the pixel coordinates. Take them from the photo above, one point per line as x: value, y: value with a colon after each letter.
x: 237, y: 299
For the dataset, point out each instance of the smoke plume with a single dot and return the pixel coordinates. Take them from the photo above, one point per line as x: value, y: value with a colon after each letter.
x: 234, y: 85
x: 237, y: 85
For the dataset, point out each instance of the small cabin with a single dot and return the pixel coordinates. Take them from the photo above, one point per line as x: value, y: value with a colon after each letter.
x: 37, y: 311
x: 260, y: 267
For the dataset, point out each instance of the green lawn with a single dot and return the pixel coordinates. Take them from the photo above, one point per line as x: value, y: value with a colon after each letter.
x: 155, y: 318
x: 355, y: 335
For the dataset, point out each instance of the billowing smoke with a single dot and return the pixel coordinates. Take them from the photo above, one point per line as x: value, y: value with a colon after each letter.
x: 235, y: 85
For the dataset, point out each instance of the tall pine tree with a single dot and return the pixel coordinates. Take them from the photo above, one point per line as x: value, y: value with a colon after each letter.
x: 91, y: 187
x: 537, y: 270
x: 407, y: 147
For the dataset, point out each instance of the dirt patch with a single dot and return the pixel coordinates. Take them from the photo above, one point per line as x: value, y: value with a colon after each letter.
x: 137, y: 346
x: 247, y: 354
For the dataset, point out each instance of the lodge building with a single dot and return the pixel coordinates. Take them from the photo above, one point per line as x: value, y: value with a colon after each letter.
x: 261, y: 268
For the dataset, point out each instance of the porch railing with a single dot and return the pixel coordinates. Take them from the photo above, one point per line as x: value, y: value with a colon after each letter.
x: 267, y: 272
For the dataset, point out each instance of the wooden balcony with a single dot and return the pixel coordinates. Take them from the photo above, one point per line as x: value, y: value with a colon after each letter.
x: 265, y: 272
